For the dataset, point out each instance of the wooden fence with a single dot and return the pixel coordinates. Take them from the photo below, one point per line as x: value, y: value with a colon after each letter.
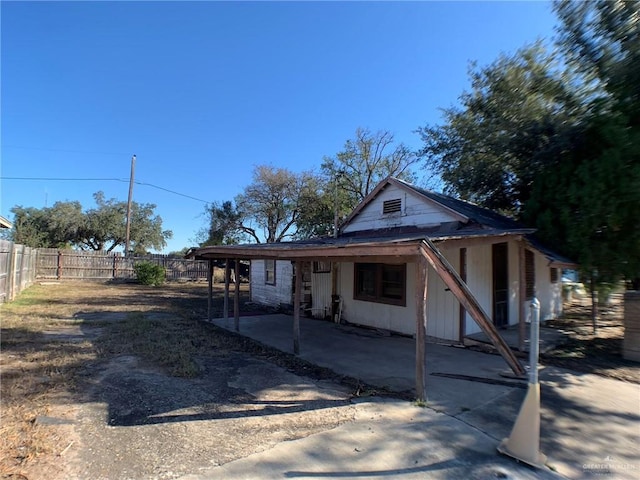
x: 89, y: 265
x: 17, y: 269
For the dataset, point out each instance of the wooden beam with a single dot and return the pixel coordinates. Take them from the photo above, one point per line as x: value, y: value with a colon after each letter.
x: 210, y: 289
x: 236, y: 296
x: 296, y: 306
x: 422, y: 281
x: 226, y: 288
x: 451, y: 278
x: 522, y: 297
x: 309, y: 252
x: 462, y: 313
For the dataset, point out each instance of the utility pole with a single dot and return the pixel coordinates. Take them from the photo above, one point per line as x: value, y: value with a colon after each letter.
x: 127, y: 237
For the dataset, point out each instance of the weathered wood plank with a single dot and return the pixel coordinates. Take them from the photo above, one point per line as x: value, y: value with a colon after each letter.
x: 236, y: 296
x: 210, y: 290
x: 296, y: 307
x: 226, y: 289
x: 422, y: 281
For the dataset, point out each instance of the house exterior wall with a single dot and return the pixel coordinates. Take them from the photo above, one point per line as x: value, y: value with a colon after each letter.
x: 416, y: 211
x: 443, y: 309
x: 378, y: 315
x: 549, y: 294
x: 442, y: 306
x: 480, y: 282
x: 273, y: 295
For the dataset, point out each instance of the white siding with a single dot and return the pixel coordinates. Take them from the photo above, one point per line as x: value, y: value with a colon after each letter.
x: 480, y: 282
x: 442, y: 306
x: 549, y: 294
x: 379, y: 315
x: 443, y: 309
x: 274, y: 295
x: 416, y: 211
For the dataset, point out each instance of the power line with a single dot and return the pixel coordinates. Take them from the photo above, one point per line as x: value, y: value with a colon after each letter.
x: 171, y: 191
x: 107, y: 180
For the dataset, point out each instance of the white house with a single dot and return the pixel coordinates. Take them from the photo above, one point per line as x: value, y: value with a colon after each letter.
x: 412, y: 261
x: 482, y: 246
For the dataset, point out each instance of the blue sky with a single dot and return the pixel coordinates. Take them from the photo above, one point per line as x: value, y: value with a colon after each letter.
x: 202, y: 92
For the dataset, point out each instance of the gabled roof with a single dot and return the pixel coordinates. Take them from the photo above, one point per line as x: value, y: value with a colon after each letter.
x: 474, y: 223
x: 466, y: 212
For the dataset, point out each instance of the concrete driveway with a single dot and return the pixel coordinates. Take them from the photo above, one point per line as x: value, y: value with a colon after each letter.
x: 590, y: 425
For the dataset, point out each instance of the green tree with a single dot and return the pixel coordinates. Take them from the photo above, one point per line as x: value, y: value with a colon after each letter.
x: 519, y: 113
x: 601, y: 40
x: 99, y: 228
x: 559, y: 147
x: 586, y: 200
x: 224, y: 225
x: 49, y: 227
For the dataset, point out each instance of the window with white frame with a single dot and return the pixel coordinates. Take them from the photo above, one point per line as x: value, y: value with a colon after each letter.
x: 270, y: 272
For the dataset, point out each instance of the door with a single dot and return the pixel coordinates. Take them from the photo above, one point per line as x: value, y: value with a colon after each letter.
x: 500, y: 256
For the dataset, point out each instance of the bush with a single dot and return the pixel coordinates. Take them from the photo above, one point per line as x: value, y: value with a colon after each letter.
x: 149, y: 273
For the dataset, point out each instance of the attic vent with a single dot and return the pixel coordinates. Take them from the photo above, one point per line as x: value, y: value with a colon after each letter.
x: 391, y: 206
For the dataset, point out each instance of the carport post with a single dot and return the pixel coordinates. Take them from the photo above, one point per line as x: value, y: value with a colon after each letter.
x: 236, y: 296
x: 296, y: 307
x: 210, y: 292
x: 226, y: 289
x: 421, y: 328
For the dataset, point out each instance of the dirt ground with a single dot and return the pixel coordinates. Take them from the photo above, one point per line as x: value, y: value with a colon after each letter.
x: 584, y: 351
x: 121, y: 381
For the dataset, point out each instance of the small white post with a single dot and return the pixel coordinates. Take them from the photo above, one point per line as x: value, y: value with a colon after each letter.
x: 524, y: 442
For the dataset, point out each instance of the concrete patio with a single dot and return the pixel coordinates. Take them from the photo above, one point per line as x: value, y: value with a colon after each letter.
x: 589, y: 424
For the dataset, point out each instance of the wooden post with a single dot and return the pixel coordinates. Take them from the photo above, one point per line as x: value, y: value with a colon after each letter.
x: 226, y: 289
x: 210, y: 291
x: 522, y: 297
x: 115, y: 266
x: 421, y: 328
x: 236, y: 296
x: 59, y: 270
x: 11, y: 277
x: 296, y: 306
x: 462, y: 328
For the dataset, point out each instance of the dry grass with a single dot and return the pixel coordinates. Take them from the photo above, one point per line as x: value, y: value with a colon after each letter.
x: 40, y: 352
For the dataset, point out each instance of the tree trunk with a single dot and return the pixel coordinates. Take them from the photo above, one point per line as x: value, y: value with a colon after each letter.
x: 594, y: 304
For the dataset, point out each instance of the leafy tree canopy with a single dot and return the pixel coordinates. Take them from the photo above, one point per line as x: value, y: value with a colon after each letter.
x: 100, y: 228
x: 554, y: 138
x: 518, y: 114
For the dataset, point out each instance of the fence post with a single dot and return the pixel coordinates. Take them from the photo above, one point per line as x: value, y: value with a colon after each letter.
x: 115, y: 265
x: 11, y: 273
x: 59, y: 269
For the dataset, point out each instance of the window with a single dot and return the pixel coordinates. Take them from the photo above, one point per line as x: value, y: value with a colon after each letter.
x: 270, y: 272
x: 380, y: 282
x: 553, y: 272
x: 529, y: 274
x: 321, y: 267
x: 392, y: 206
